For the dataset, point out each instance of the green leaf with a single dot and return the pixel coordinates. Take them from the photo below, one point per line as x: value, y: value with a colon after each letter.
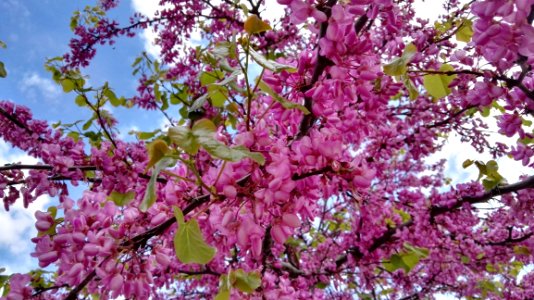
x: 437, y: 85
x: 189, y: 243
x: 491, y: 268
x: 3, y: 45
x: 419, y: 251
x: 270, y: 64
x: 222, y: 295
x: 179, y: 215
x: 285, y: 103
x: 74, y: 135
x: 404, y: 215
x: 156, y: 151
x: 254, y: 24
x: 521, y: 250
x: 68, y: 85
x: 207, y: 78
x: 112, y: 97
x: 121, y: 199
x: 218, y: 95
x: 395, y: 263
x: 3, y: 72
x: 146, y: 135
x: 184, y: 138
x: 80, y: 101
x: 465, y: 259
x: 150, y: 192
x: 412, y: 91
x: 204, y: 131
x: 246, y: 282
x: 399, y: 66
x: 467, y: 163
x: 224, y: 288
x: 410, y: 259
x: 465, y: 32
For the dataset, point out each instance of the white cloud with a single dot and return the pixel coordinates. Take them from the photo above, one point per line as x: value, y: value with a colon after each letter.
x: 456, y: 152
x: 35, y: 86
x: 18, y: 223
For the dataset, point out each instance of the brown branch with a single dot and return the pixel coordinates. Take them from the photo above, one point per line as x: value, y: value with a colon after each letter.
x: 311, y: 173
x: 15, y: 121
x: 43, y: 167
x: 320, y: 66
x: 73, y: 294
x: 438, y: 210
x: 447, y: 120
x: 511, y: 240
x: 9, y: 167
x: 497, y: 191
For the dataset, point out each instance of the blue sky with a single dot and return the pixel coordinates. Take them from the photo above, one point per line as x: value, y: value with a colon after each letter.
x: 35, y: 30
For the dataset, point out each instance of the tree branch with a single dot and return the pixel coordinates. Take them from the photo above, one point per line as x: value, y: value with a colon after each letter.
x: 497, y: 191
x: 320, y: 66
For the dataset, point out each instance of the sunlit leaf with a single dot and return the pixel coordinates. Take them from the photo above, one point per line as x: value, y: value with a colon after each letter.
x: 3, y: 72
x: 189, y: 243
x: 156, y: 151
x: 184, y: 138
x: 465, y: 32
x: 68, y: 85
x: 254, y: 24
x: 398, y: 66
x: 521, y: 250
x: 121, y: 199
x: 150, y: 193
x: 270, y: 64
x: 285, y: 103
x: 437, y: 85
x: 204, y: 132
x: 246, y: 282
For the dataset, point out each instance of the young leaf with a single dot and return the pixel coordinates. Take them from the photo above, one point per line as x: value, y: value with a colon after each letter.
x: 465, y: 32
x: 395, y: 263
x: 254, y: 24
x: 269, y: 64
x: 437, y: 85
x: 121, y: 199
x: 204, y: 131
x: 3, y: 72
x: 68, y: 85
x: 156, y: 151
x: 398, y: 66
x: 285, y: 103
x: 184, y: 138
x: 150, y: 192
x: 190, y: 246
x: 246, y: 282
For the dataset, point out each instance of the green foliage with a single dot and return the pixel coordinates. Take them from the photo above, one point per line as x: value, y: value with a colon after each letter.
x: 150, y: 192
x: 269, y: 64
x: 406, y: 259
x: 245, y: 282
x: 121, y: 199
x: 285, y: 103
x: 254, y: 25
x: 465, y: 31
x: 488, y: 171
x: 156, y: 151
x: 189, y: 243
x: 437, y: 85
x: 3, y: 72
x: 399, y: 66
x: 203, y: 134
x: 239, y: 279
